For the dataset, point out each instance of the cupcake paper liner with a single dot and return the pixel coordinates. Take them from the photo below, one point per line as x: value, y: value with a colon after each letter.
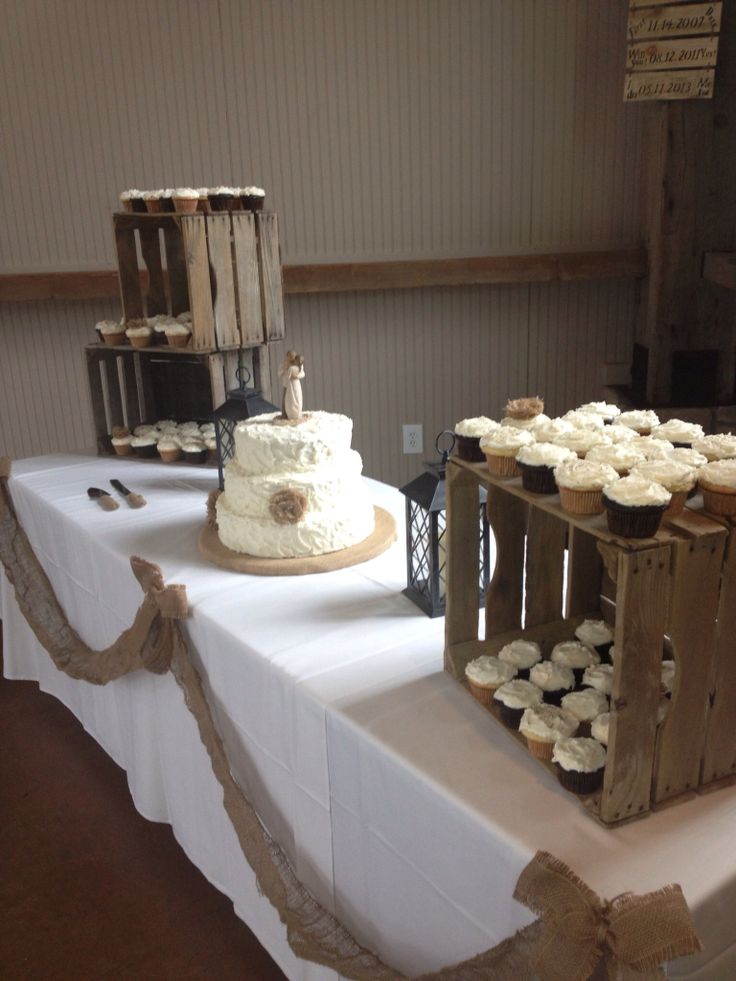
x: 555, y: 697
x: 633, y: 522
x: 468, y: 448
x: 502, y: 466
x: 123, y: 449
x: 581, y: 501
x: 540, y: 748
x: 537, y: 479
x: 481, y: 693
x: 510, y: 717
x: 144, y: 340
x: 579, y: 783
x: 186, y: 205
x: 718, y: 501
x: 112, y: 339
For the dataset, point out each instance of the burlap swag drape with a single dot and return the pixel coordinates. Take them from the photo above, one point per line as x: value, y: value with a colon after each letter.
x: 577, y: 937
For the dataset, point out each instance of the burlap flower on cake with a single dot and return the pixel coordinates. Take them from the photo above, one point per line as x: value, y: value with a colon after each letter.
x: 287, y: 507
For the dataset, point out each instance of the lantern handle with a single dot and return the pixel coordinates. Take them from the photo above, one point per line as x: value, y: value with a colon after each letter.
x: 445, y: 453
x: 239, y: 372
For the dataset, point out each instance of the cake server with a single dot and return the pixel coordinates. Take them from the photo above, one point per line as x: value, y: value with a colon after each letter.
x: 106, y: 502
x: 133, y: 499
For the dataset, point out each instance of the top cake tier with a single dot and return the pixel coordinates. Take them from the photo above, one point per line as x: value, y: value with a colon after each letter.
x: 267, y: 444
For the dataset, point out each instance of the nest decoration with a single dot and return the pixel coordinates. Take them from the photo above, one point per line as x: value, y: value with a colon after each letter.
x: 525, y: 408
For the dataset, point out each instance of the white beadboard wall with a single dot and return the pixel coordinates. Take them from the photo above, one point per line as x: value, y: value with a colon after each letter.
x: 381, y: 130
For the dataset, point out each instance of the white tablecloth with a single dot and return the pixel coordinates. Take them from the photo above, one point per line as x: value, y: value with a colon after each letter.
x: 402, y: 805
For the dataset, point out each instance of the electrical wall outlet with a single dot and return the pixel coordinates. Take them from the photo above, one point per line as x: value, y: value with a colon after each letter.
x: 413, y: 437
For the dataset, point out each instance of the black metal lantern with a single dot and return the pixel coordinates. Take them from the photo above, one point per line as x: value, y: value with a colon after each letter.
x: 426, y: 544
x: 241, y: 403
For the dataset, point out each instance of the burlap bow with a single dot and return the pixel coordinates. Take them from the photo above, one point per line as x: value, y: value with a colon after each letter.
x: 626, y: 939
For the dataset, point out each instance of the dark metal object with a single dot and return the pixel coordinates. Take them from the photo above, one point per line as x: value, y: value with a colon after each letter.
x: 241, y: 403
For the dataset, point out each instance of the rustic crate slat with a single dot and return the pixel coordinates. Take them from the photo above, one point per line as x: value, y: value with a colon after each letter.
x: 507, y: 516
x: 584, y: 568
x: 200, y: 287
x: 176, y: 268
x: 130, y: 285
x: 692, y: 631
x: 245, y: 251
x: 219, y: 234
x: 463, y: 537
x: 269, y: 257
x: 545, y: 566
x: 156, y: 300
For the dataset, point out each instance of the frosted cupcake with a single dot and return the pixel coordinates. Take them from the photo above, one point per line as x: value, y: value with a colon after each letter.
x: 641, y: 421
x: 717, y: 481
x: 500, y: 448
x: 605, y: 410
x: 718, y: 446
x: 537, y: 463
x: 132, y: 200
x: 555, y: 680
x: 485, y: 674
x: 111, y: 332
x: 513, y: 698
x: 600, y: 677
x: 522, y: 655
x: 193, y: 451
x: 185, y: 199
x: 653, y: 449
x: 580, y: 764
x: 548, y: 430
x: 634, y: 506
x: 621, y: 456
x: 253, y: 198
x: 468, y: 434
x: 542, y: 725
x: 178, y: 334
x: 677, y: 478
x: 122, y: 445
x: 584, y: 420
x: 139, y: 336
x: 222, y: 198
x: 599, y: 728
x: 169, y: 450
x: 145, y: 429
x: 575, y: 655
x: 582, y: 441
x: 581, y: 483
x: 619, y: 434
x: 152, y: 201
x: 203, y: 201
x: 144, y: 446
x: 678, y: 432
x: 585, y: 705
x: 596, y: 634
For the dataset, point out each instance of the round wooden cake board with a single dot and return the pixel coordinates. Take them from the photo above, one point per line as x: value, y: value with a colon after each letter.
x: 384, y: 534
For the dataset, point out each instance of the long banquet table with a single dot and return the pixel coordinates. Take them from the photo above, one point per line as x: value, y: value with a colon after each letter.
x: 402, y: 805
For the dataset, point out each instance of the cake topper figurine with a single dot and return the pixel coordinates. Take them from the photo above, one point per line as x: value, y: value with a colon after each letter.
x: 291, y: 373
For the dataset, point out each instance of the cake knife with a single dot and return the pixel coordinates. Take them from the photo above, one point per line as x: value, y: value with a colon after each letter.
x: 133, y: 499
x: 106, y: 502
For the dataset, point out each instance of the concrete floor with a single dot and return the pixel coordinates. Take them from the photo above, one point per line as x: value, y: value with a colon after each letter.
x: 90, y: 890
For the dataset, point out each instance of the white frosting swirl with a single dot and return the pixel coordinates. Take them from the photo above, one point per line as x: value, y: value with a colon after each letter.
x: 505, y: 441
x: 150, y: 440
x: 518, y: 694
x: 604, y: 409
x: 544, y: 455
x: 584, y: 420
x: 673, y: 476
x: 681, y: 454
x: 718, y: 446
x: 477, y: 426
x: 599, y: 727
x: 599, y: 676
x: 109, y: 327
x: 144, y: 331
x: 488, y: 670
x: 582, y: 440
x: 620, y: 456
x: 529, y: 423
x: 678, y: 431
x: 586, y: 704
x: 186, y: 193
x: 580, y: 754
x: 584, y: 474
x: 720, y: 473
x: 594, y: 632
x: 639, y: 419
x: 547, y: 723
x: 653, y: 449
x: 574, y: 654
x: 521, y: 653
x: 619, y: 434
x: 547, y: 431
x: 550, y: 676
x: 635, y: 491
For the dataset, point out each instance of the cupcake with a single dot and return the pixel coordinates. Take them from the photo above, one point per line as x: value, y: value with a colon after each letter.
x: 159, y: 330
x: 169, y: 450
x: 634, y: 506
x: 582, y: 441
x: 717, y: 482
x: 144, y: 446
x: 542, y: 725
x: 178, y: 334
x: 500, y: 448
x: 678, y: 432
x: 221, y: 198
x: 641, y: 421
x: 111, y: 332
x: 584, y: 420
x: 513, y: 698
x: 585, y: 705
x: 166, y: 197
x: 621, y: 456
x: 185, y: 199
x: 605, y: 410
x: 122, y: 445
x: 145, y: 429
x: 467, y: 437
x: 719, y: 446
x: 599, y: 728
x: 600, y: 677
x: 203, y: 201
x: 555, y: 680
x: 579, y: 763
x: 193, y: 451
x: 522, y: 655
x: 548, y: 430
x: 152, y: 200
x: 619, y: 434
x: 252, y: 198
x: 678, y: 478
x: 537, y: 463
x: 139, y: 335
x: 651, y: 448
x: 132, y: 200
x: 485, y: 674
x: 596, y: 634
x: 581, y: 483
x: 574, y: 655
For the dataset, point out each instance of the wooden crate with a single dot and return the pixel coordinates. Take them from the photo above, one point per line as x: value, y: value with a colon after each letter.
x: 130, y: 387
x: 223, y: 267
x: 676, y: 591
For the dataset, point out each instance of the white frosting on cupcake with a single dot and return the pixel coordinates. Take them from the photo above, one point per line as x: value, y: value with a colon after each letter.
x: 635, y: 491
x: 585, y: 705
x: 653, y: 449
x: 187, y: 193
x: 167, y: 445
x: 673, y: 476
x: 584, y: 474
x: 619, y: 434
x: 153, y: 195
x: 177, y: 329
x: 231, y: 191
x: 580, y: 754
x: 620, y: 456
x: 144, y: 331
x: 505, y: 441
x: 600, y: 677
x: 639, y: 419
x: 594, y: 632
x: 718, y: 446
x: 548, y: 430
x: 544, y: 455
x: 477, y: 426
x: 143, y: 430
x: 149, y: 440
x: 529, y: 423
x: 599, y: 727
x: 584, y: 420
x: 574, y: 654
x: 720, y: 473
x: 122, y: 440
x: 681, y: 454
x: 547, y: 723
x: 489, y: 670
x: 253, y: 192
x: 582, y: 441
x: 518, y: 694
x: 550, y: 676
x: 521, y: 653
x: 109, y: 327
x: 604, y: 409
x: 678, y: 431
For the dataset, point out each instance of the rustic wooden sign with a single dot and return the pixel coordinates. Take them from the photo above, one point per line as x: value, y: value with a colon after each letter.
x: 675, y: 21
x: 693, y: 52
x: 643, y: 86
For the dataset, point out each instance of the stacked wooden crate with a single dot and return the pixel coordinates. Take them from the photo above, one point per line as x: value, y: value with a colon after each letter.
x: 675, y: 591
x: 225, y: 269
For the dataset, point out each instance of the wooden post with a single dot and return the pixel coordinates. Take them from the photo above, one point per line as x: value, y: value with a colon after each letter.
x: 176, y: 267
x: 245, y: 255
x: 463, y: 543
x: 131, y: 297
x: 584, y: 570
x: 198, y: 276
x: 221, y: 260
x: 269, y: 255
x: 545, y: 559
x: 151, y: 253
x: 507, y: 516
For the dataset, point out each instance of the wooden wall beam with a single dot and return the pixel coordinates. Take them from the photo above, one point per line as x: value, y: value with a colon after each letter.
x: 352, y: 276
